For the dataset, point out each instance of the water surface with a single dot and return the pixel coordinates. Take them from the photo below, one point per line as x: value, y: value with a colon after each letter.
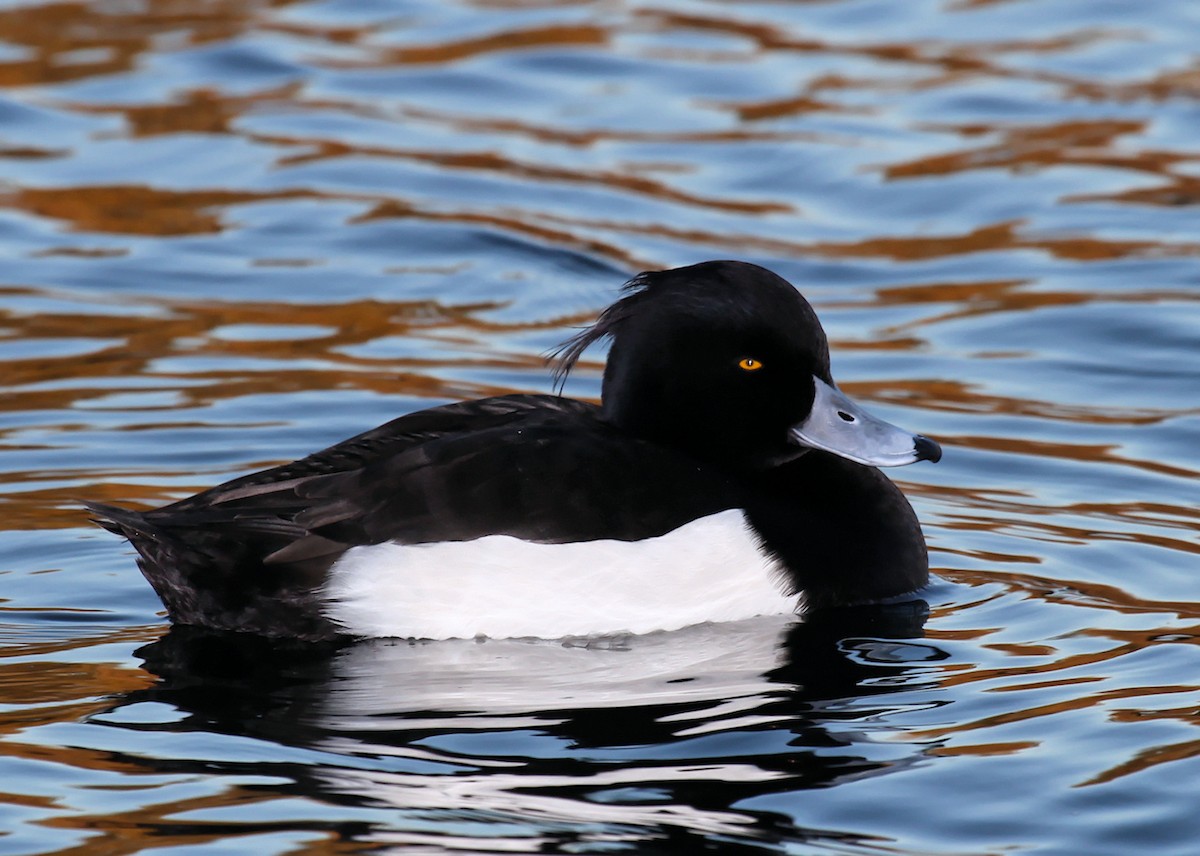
x: 235, y: 232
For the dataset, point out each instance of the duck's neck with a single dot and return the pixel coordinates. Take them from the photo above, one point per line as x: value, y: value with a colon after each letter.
x: 843, y: 531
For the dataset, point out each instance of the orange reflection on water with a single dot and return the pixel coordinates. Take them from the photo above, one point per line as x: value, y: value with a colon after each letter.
x: 1025, y: 147
x: 576, y: 138
x: 956, y: 397
x: 69, y: 41
x: 1084, y: 452
x: 138, y: 210
x: 199, y: 111
x: 1074, y: 143
x: 493, y: 162
x: 524, y: 38
x: 994, y: 238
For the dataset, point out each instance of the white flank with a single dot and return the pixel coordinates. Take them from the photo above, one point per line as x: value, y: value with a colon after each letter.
x: 502, y: 587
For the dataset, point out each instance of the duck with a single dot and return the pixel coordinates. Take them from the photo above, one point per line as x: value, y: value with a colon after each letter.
x: 722, y: 476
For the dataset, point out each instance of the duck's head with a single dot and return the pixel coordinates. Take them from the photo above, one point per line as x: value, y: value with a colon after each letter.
x: 728, y: 362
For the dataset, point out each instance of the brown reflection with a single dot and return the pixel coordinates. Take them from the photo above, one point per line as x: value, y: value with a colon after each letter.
x: 336, y: 34
x: 202, y: 111
x: 323, y: 149
x: 83, y: 252
x: 989, y: 556
x: 153, y: 823
x: 768, y: 37
x: 31, y: 153
x: 191, y: 328
x: 171, y: 824
x: 548, y: 36
x: 46, y: 692
x: 1097, y: 668
x: 943, y: 63
x: 1026, y: 147
x: 1168, y: 83
x: 141, y: 210
x: 517, y: 223
x: 1084, y: 452
x: 1068, y: 143
x: 997, y: 238
x: 1076, y: 593
x: 1181, y: 190
x: 49, y: 683
x: 999, y: 507
x: 984, y: 750
x: 59, y: 508
x: 779, y: 107
x: 136, y: 209
x: 30, y: 647
x: 209, y: 110
x: 980, y: 297
x: 70, y: 757
x: 1147, y: 759
x: 28, y: 800
x: 957, y: 397
x: 70, y: 41
x: 574, y: 137
x: 1075, y: 703
x: 1028, y: 523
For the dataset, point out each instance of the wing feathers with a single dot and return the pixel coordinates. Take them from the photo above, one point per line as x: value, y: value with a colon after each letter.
x: 306, y: 548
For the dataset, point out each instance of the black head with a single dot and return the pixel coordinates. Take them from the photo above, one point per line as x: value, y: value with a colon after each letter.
x: 723, y: 360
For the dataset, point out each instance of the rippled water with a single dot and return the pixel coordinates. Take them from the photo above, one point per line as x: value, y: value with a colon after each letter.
x: 234, y: 232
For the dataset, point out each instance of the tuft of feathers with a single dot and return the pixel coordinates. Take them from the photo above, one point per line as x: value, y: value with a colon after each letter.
x: 566, y: 355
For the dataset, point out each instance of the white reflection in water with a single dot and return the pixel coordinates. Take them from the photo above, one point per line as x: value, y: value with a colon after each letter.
x: 704, y: 663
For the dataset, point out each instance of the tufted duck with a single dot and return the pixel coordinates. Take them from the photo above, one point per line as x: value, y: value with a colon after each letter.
x: 723, y: 476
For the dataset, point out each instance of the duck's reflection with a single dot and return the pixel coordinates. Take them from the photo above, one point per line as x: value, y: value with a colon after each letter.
x: 660, y: 735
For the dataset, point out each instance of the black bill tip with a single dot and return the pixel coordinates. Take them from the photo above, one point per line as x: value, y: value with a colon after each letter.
x: 927, y: 450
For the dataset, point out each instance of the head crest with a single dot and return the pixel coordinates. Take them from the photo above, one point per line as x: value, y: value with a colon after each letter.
x: 568, y: 353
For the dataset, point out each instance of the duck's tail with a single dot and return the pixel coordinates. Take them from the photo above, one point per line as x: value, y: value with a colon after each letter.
x: 209, y: 573
x: 121, y: 521
x: 157, y: 556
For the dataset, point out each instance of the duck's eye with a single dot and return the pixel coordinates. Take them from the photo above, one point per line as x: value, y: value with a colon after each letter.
x: 749, y: 364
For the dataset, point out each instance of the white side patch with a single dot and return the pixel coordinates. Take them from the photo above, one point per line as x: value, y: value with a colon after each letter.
x: 503, y: 587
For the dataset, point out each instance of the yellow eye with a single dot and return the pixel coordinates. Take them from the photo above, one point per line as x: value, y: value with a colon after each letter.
x: 749, y: 364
